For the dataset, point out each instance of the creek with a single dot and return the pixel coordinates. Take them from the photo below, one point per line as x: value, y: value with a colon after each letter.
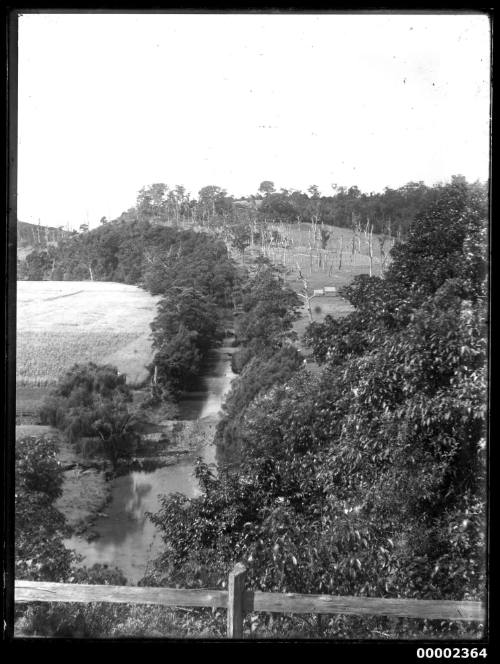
x: 126, y: 538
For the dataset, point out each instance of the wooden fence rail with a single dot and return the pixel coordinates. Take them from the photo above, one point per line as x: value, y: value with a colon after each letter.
x: 239, y: 601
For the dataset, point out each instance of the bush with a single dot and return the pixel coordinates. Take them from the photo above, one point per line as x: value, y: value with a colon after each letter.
x: 91, y: 401
x: 39, y: 527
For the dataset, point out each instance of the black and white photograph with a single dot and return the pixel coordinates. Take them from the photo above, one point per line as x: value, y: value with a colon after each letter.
x: 249, y: 329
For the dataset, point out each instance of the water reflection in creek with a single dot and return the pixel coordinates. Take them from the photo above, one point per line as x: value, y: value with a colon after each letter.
x: 207, y: 395
x: 126, y: 538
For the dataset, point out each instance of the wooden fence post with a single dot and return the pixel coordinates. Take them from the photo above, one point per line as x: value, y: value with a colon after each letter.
x: 235, y: 592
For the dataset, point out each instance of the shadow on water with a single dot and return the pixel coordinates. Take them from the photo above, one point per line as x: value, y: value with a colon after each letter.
x: 206, y: 394
x: 125, y: 537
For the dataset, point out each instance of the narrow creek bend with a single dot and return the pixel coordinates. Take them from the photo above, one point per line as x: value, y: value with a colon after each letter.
x: 125, y: 537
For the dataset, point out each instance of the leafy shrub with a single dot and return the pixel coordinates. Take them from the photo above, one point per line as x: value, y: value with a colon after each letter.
x: 39, y: 527
x: 91, y: 401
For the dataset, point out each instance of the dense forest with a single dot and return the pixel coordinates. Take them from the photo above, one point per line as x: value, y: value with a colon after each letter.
x: 367, y: 478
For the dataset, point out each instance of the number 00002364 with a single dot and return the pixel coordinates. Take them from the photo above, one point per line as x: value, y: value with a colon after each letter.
x: 451, y: 653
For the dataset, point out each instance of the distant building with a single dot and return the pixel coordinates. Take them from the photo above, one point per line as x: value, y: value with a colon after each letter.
x: 252, y: 204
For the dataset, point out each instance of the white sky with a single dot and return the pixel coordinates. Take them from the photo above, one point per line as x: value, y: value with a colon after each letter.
x: 110, y: 103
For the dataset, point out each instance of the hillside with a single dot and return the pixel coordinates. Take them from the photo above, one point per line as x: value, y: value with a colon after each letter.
x: 36, y: 236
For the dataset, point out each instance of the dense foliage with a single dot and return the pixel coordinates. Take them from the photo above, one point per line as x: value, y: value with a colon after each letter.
x: 368, y: 479
x: 196, y: 278
x: 39, y: 526
x: 133, y: 251
x: 395, y: 206
x: 93, y: 401
x: 40, y: 553
x: 265, y: 356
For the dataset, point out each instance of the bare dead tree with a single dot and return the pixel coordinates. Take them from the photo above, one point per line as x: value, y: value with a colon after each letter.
x: 369, y: 236
x: 398, y: 235
x: 252, y: 233
x: 305, y: 294
x: 356, y: 235
x: 383, y: 253
x: 314, y: 227
x: 384, y: 240
x: 331, y: 264
x: 365, y: 229
x: 341, y: 251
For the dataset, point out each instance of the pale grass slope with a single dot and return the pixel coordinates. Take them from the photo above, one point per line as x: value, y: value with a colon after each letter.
x: 63, y: 322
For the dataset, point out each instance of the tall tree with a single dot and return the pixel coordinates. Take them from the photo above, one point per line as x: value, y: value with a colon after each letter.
x: 151, y: 202
x: 266, y: 187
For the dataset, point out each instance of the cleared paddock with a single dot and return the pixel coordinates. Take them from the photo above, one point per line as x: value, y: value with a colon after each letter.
x: 63, y: 322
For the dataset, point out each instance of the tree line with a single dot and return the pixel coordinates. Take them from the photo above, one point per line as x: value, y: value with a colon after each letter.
x: 393, y: 208
x: 390, y: 212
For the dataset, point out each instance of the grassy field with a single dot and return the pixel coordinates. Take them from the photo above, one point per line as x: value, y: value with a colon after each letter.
x: 335, y: 266
x: 63, y: 322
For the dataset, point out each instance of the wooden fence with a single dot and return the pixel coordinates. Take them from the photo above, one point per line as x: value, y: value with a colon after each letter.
x: 239, y: 601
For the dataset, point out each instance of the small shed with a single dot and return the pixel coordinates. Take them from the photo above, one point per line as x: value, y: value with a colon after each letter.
x: 319, y: 291
x: 330, y: 290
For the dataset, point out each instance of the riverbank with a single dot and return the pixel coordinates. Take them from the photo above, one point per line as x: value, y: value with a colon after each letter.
x: 107, y: 507
x: 87, y: 483
x: 119, y: 533
x: 86, y: 489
